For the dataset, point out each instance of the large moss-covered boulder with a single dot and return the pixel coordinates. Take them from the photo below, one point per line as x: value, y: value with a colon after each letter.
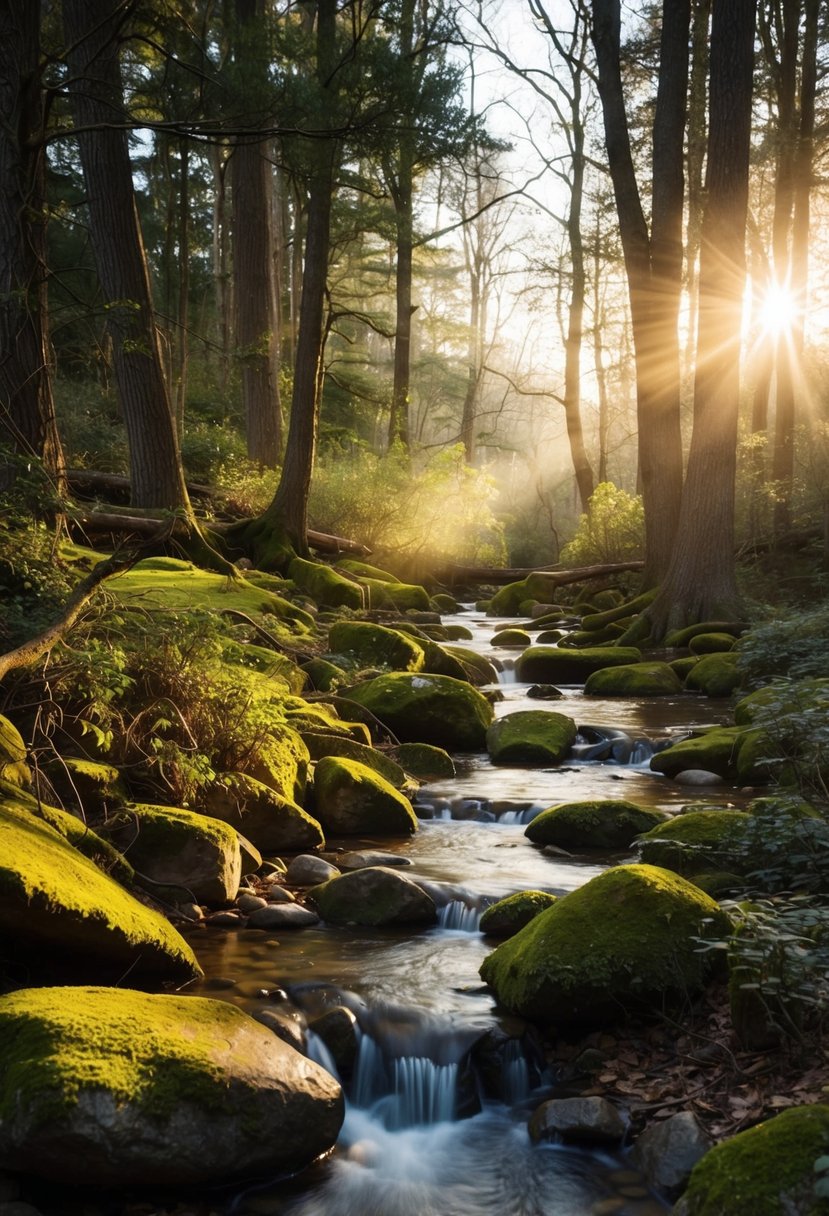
x: 280, y: 761
x: 701, y: 841
x: 324, y: 675
x: 477, y: 668
x: 62, y: 914
x: 715, y: 751
x: 370, y: 645
x: 424, y: 761
x: 272, y: 822
x: 769, y: 1170
x: 508, y: 915
x: 13, y: 766
x: 74, y: 829
x: 514, y: 639
x: 327, y: 587
x: 428, y: 709
x: 716, y: 675
x: 552, y: 665
x: 179, y: 848
x: 351, y: 798
x: 92, y: 785
x: 597, y: 824
x: 652, y: 679
x: 530, y: 736
x: 375, y: 895
x: 111, y: 1087
x: 684, y: 637
x: 712, y: 643
x: 627, y: 940
x: 320, y: 745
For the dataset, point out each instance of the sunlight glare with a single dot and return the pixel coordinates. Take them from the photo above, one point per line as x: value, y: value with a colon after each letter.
x: 778, y: 310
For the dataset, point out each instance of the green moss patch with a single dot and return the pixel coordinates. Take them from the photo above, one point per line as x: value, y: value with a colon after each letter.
x: 516, y: 639
x: 531, y: 736
x: 375, y: 646
x: 327, y: 587
x: 712, y: 643
x: 507, y: 916
x: 700, y: 841
x: 373, y: 896
x: 320, y: 745
x: 552, y: 665
x: 716, y: 675
x: 273, y: 822
x: 13, y: 766
x: 597, y: 824
x: 714, y: 750
x: 651, y: 679
x: 351, y: 798
x: 425, y: 762
x: 428, y: 709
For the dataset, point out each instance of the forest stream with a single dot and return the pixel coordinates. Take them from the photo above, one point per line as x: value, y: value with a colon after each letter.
x: 440, y: 1093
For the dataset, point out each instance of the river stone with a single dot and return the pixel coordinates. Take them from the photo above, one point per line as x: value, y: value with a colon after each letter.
x: 374, y: 857
x: 477, y: 669
x: 531, y: 736
x: 320, y: 744
x: 512, y: 638
x: 106, y: 1086
x: 375, y: 896
x: 352, y: 799
x: 250, y: 903
x: 288, y: 1025
x: 544, y: 692
x: 428, y: 709
x: 591, y: 1120
x: 697, y: 776
x: 508, y: 915
x: 553, y: 665
x: 181, y: 849
x: 701, y: 841
x: 282, y: 916
x: 667, y: 1151
x: 716, y: 675
x: 307, y: 870
x: 625, y: 941
x: 369, y: 645
x: 59, y: 910
x: 714, y: 750
x: 337, y: 1028
x: 270, y: 820
x: 766, y: 1170
x: 651, y: 679
x: 597, y: 824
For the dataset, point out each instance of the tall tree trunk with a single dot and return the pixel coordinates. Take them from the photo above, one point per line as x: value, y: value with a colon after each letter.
x: 288, y: 511
x: 700, y: 584
x: 219, y: 257
x: 399, y: 416
x: 253, y: 261
x: 473, y: 370
x: 653, y: 270
x: 575, y: 313
x: 92, y: 30
x: 27, y: 412
x: 697, y: 127
x: 183, y: 311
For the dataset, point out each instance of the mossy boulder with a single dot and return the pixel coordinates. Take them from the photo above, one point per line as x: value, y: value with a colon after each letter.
x: 90, y: 784
x: 321, y: 745
x: 714, y: 750
x: 375, y: 895
x: 578, y: 639
x: 326, y: 586
x: 274, y: 823
x: 627, y: 940
x: 13, y: 766
x: 749, y: 706
x: 531, y: 736
x: 651, y: 679
x: 684, y: 637
x: 376, y: 646
x: 598, y: 824
x: 179, y: 848
x: 514, y: 639
x: 324, y: 675
x: 552, y: 665
x: 324, y: 718
x: 279, y: 669
x: 428, y: 709
x: 60, y: 912
x: 507, y: 916
x: 363, y: 570
x: 81, y: 836
x: 442, y: 602
x: 444, y: 661
x: 476, y: 667
x: 768, y: 1170
x: 350, y: 798
x: 712, y: 643
x: 684, y: 665
x: 611, y: 616
x: 716, y: 675
x: 700, y: 841
x: 458, y: 633
x: 424, y: 761
x: 111, y: 1087
x: 280, y: 761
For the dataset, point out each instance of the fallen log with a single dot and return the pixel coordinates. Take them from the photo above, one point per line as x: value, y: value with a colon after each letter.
x: 500, y: 576
x: 95, y: 480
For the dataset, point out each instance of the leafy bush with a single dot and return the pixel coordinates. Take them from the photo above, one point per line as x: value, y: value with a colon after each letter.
x: 794, y: 715
x: 613, y: 530
x: 795, y: 646
x: 33, y: 583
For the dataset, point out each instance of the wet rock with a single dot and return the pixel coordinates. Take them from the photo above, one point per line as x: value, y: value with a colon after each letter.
x: 282, y: 916
x: 270, y: 819
x: 250, y: 903
x: 361, y: 860
x: 554, y: 665
x: 369, y: 645
x: 226, y: 920
x: 650, y: 679
x: 716, y: 675
x: 278, y: 895
x: 697, y: 776
x: 700, y: 841
x: 667, y: 1151
x: 376, y: 896
x: 307, y: 870
x: 714, y: 751
x: 425, y: 762
x: 544, y: 692
x: 287, y: 1024
x: 591, y: 1120
x: 104, y: 1086
x: 337, y: 1028
x: 532, y: 736
x: 513, y: 638
x: 320, y: 744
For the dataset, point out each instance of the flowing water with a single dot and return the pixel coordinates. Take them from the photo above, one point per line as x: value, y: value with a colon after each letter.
x: 439, y: 1095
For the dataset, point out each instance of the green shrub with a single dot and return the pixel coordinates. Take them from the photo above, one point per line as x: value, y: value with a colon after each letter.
x: 613, y: 530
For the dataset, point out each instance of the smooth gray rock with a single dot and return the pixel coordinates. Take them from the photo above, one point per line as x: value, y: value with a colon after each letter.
x: 250, y: 903
x: 282, y: 916
x: 361, y: 860
x: 375, y: 896
x: 591, y: 1120
x: 697, y: 776
x: 667, y: 1151
x: 307, y: 870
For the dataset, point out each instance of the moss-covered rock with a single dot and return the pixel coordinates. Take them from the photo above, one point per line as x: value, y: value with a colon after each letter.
x: 712, y: 643
x: 684, y: 665
x: 59, y: 911
x: 651, y: 679
x: 531, y: 736
x: 181, y: 849
x: 458, y: 633
x: 321, y: 745
x: 351, y: 798
x: 93, y: 786
x: 627, y: 940
x: 684, y: 637
x: 747, y: 707
x: 274, y: 823
x: 476, y: 667
x: 13, y: 766
x: 281, y: 762
x: 424, y: 761
x: 326, y: 586
x: 552, y: 665
x: 277, y: 667
x: 549, y: 637
x: 507, y: 916
x: 610, y: 616
x: 83, y: 838
x: 350, y: 565
x: 598, y: 824
x: 715, y: 751
x: 324, y: 718
x: 768, y: 1170
x: 515, y: 639
x: 373, y: 896
x: 428, y: 709
x: 376, y: 646
x: 716, y: 675
x: 325, y: 676
x: 444, y: 661
x: 107, y: 1086
x: 578, y: 639
x: 443, y: 602
x: 700, y: 841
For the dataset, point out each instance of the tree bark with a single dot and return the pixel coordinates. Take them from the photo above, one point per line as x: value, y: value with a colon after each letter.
x: 27, y: 411
x: 700, y: 584
x: 92, y: 31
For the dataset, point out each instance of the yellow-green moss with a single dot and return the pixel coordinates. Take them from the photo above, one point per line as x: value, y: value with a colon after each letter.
x: 507, y: 916
x: 651, y: 679
x: 351, y: 797
x: 320, y: 744
x: 683, y: 637
x: 424, y: 761
x: 13, y: 766
x: 765, y: 1171
x: 596, y: 824
x: 716, y: 675
x: 700, y: 841
x: 551, y: 664
x: 712, y: 643
x: 531, y: 736
x: 428, y: 709
x: 714, y: 750
x: 324, y: 675
x: 376, y: 646
x: 513, y: 638
x: 326, y: 586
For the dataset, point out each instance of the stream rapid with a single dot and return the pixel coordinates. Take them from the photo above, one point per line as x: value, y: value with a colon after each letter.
x: 439, y: 1096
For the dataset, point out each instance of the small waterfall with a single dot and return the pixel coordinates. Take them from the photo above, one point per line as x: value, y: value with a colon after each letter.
x: 605, y: 745
x: 404, y: 1090
x: 515, y: 1073
x: 460, y: 916
x: 507, y: 673
x: 316, y: 1050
